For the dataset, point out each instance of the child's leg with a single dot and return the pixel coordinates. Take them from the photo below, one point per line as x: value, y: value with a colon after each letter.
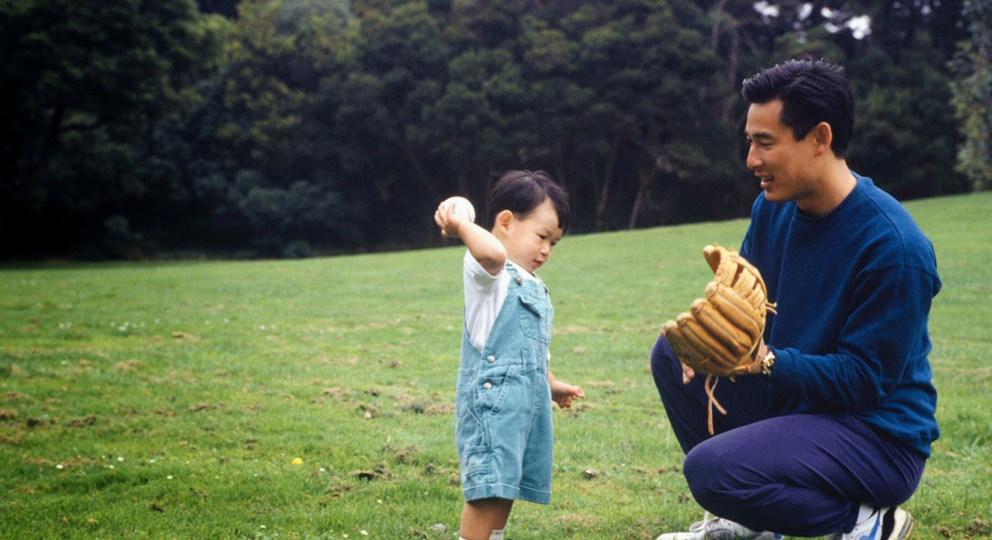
x: 481, y: 517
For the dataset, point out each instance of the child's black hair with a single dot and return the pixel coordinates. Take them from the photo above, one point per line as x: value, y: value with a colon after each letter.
x: 522, y: 191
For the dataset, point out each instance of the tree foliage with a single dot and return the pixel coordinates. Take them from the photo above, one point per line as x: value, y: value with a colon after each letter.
x: 288, y: 127
x: 85, y: 84
x: 973, y: 94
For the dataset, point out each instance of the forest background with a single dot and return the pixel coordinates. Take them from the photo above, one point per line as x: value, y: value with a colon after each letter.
x: 290, y: 128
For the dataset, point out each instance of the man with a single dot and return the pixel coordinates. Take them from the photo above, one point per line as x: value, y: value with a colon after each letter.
x: 830, y: 430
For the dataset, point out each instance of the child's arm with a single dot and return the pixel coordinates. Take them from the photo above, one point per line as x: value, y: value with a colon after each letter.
x: 563, y: 393
x: 483, y: 246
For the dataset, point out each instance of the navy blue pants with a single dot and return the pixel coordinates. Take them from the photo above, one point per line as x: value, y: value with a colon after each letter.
x: 797, y: 475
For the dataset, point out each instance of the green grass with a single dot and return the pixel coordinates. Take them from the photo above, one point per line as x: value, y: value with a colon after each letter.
x: 314, y: 399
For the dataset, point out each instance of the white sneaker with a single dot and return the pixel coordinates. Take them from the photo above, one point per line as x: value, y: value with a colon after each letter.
x: 714, y: 528
x: 882, y: 524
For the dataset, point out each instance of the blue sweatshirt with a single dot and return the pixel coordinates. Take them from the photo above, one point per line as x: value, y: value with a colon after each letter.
x: 854, y: 290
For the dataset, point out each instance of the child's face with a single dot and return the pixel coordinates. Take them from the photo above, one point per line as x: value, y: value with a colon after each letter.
x: 529, y: 241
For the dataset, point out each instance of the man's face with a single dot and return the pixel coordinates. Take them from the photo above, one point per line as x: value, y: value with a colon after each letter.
x: 781, y: 162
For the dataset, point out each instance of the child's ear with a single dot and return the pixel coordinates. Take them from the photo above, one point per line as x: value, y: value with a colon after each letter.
x: 503, y: 219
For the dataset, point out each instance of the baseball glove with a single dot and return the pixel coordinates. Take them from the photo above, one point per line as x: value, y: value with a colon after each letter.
x: 720, y: 333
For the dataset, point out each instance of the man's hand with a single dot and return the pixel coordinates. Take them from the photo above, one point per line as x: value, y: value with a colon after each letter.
x: 721, y: 331
x: 687, y: 373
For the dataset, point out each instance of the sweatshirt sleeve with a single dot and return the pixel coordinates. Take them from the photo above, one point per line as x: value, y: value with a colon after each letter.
x: 882, y: 341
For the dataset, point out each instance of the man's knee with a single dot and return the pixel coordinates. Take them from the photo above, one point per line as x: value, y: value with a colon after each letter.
x: 697, y: 469
x: 707, y: 471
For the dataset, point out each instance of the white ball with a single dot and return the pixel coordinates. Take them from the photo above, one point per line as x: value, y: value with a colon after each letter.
x: 464, y: 208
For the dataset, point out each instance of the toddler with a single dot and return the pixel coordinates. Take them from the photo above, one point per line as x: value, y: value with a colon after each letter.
x: 505, y: 387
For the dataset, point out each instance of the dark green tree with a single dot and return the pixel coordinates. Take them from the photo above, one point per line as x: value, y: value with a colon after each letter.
x: 336, y: 125
x: 973, y: 94
x: 85, y: 85
x: 284, y: 182
x: 227, y: 8
x: 895, y: 54
x: 652, y: 115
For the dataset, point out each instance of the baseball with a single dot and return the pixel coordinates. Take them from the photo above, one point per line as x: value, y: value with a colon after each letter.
x: 463, y: 207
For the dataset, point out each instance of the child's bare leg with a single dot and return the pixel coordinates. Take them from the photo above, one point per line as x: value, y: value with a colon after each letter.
x: 481, y: 517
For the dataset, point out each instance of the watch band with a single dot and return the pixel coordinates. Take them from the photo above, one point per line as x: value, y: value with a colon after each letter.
x: 767, y: 363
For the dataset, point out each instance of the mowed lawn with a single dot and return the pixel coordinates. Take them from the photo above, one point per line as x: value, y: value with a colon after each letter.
x: 313, y: 399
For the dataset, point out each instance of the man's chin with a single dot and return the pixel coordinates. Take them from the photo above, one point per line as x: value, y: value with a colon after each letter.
x: 773, y: 196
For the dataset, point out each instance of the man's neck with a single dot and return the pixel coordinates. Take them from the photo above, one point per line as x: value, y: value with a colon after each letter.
x: 838, y: 182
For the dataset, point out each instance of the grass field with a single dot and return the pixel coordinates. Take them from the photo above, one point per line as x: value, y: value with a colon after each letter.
x: 313, y: 399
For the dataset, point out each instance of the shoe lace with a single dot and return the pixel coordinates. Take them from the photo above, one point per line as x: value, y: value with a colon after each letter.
x: 711, y: 522
x: 701, y: 526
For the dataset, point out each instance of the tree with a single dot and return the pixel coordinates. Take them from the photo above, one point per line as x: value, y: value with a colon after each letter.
x: 973, y: 94
x: 906, y: 135
x: 227, y: 8
x: 84, y: 85
x: 283, y: 180
x: 648, y: 67
x: 338, y: 125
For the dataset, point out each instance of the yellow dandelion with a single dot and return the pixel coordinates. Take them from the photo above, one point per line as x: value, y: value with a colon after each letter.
x: 298, y: 461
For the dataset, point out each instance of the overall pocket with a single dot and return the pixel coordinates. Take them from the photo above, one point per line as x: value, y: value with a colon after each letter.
x: 535, y: 318
x: 491, y: 388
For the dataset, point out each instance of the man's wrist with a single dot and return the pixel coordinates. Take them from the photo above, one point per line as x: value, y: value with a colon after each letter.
x: 757, y: 356
x: 767, y: 362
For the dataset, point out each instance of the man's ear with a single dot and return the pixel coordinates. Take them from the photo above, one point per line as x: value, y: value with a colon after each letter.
x: 823, y: 135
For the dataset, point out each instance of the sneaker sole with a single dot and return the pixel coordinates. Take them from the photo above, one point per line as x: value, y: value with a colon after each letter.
x: 902, y: 525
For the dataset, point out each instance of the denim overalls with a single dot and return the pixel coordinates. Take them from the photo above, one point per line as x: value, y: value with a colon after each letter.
x: 503, y: 401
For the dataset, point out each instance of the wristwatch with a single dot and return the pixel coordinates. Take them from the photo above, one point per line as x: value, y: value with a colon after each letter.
x: 767, y: 363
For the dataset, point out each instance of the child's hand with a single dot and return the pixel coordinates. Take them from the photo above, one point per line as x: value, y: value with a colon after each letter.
x: 563, y: 393
x: 452, y: 213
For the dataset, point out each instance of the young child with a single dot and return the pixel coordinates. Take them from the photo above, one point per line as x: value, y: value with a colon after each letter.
x: 505, y: 387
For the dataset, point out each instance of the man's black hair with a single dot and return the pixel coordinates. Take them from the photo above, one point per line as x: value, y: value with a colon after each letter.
x: 811, y: 91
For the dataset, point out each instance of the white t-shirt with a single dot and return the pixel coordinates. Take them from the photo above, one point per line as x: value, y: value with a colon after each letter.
x: 484, y: 296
